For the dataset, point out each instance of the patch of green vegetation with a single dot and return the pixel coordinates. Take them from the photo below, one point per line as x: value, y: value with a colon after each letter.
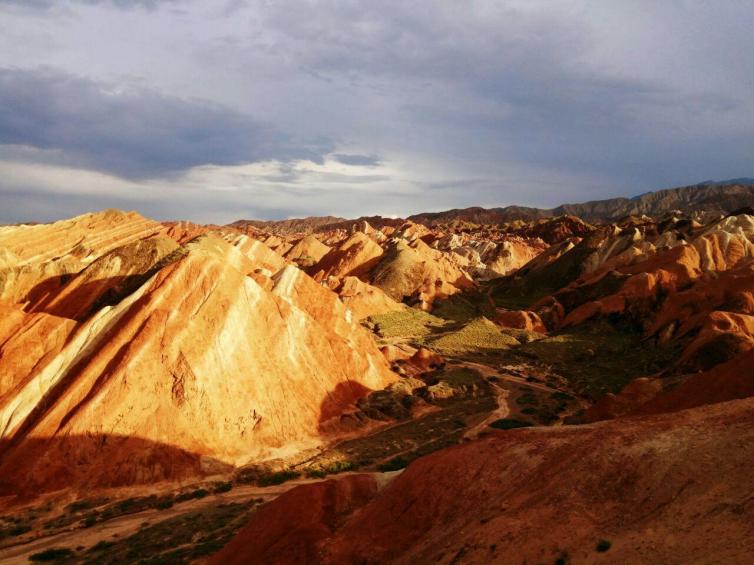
x: 463, y: 307
x: 393, y: 464
x: 165, y: 503
x: 516, y: 298
x: 181, y: 539
x: 102, y: 545
x: 52, y: 554
x: 603, y: 545
x: 527, y: 398
x: 510, y: 424
x: 331, y: 468
x: 411, y: 324
x: 192, y: 495
x: 598, y: 358
x: 416, y: 437
x: 474, y: 337
x: 461, y: 377
x: 277, y: 478
x: 14, y: 531
x: 222, y: 486
x: 85, y: 504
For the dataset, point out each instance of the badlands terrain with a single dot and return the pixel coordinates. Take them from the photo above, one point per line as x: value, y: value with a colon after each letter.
x: 508, y: 385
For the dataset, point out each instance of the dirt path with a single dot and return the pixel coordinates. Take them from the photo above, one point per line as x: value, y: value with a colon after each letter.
x: 502, y: 411
x: 488, y: 371
x: 124, y: 526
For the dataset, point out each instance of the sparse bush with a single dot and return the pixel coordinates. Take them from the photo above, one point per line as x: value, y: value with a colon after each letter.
x: 509, y: 424
x: 102, y: 545
x: 52, y: 554
x: 222, y: 486
x: 277, y: 478
x: 164, y: 503
x: 339, y: 467
x: 603, y: 545
x: 527, y: 398
x: 393, y: 464
x: 19, y: 530
x: 191, y: 495
x: 89, y: 521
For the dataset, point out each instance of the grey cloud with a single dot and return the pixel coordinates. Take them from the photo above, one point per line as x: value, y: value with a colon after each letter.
x: 478, y: 102
x: 357, y: 160
x: 122, y: 4
x: 133, y: 133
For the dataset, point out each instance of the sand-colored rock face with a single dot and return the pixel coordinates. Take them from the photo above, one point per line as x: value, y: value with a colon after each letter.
x: 307, y: 251
x: 648, y: 486
x: 35, y: 256
x: 197, y: 368
x: 364, y: 300
x: 108, y: 279
x: 27, y: 342
x: 414, y: 270
x: 354, y: 257
x: 512, y: 255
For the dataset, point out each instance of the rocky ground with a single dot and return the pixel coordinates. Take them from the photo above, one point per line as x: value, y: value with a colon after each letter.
x: 162, y: 385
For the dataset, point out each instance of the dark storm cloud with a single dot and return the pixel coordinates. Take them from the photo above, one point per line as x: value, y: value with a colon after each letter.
x: 133, y: 133
x: 357, y: 160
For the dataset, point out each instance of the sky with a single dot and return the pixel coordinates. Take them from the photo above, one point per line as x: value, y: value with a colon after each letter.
x: 218, y: 110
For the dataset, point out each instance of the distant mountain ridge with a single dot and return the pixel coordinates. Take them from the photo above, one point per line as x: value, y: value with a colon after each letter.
x: 709, y: 196
x: 717, y: 197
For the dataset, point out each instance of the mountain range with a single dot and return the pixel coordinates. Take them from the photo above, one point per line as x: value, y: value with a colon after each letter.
x: 715, y: 197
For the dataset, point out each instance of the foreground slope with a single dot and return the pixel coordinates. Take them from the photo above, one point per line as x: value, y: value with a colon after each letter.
x: 663, y: 489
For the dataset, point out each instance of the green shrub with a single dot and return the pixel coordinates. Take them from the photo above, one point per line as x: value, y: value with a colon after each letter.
x: 603, y: 545
x: 277, y: 478
x: 18, y: 530
x: 102, y: 545
x: 222, y: 486
x: 527, y: 398
x: 164, y: 503
x: 194, y: 494
x: 509, y: 424
x: 89, y: 521
x: 52, y: 554
x: 339, y: 467
x: 393, y: 464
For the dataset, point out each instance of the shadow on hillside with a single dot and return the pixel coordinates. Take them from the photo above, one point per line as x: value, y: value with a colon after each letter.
x: 36, y: 465
x: 84, y: 300
x: 333, y: 408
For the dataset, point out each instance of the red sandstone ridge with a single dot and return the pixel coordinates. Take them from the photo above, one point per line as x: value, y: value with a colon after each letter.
x: 289, y: 531
x: 649, y: 486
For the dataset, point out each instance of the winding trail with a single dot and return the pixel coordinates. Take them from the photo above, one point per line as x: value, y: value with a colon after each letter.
x: 124, y: 526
